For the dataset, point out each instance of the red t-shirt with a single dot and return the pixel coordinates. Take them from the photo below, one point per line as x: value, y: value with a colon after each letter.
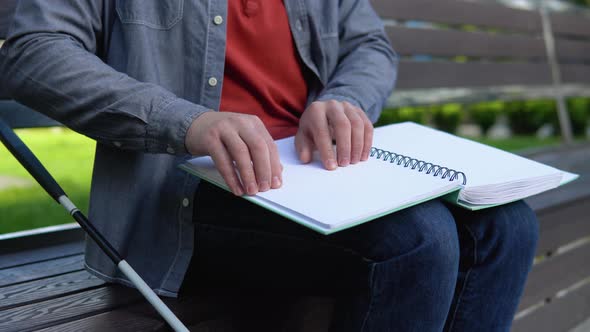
x: 264, y: 75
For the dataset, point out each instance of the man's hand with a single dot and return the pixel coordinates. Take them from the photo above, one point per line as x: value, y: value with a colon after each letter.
x: 241, y: 140
x: 323, y: 122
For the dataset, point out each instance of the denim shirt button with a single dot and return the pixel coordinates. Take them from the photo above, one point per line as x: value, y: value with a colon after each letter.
x: 185, y: 202
x: 218, y: 20
x: 298, y: 25
x: 117, y: 144
x: 170, y: 150
x: 213, y: 81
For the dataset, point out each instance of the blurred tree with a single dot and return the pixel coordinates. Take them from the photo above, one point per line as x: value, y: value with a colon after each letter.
x: 581, y: 2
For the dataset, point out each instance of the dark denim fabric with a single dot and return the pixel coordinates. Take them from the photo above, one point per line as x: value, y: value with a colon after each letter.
x: 133, y: 75
x: 431, y: 267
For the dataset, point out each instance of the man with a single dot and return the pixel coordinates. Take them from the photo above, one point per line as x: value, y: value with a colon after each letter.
x: 145, y: 79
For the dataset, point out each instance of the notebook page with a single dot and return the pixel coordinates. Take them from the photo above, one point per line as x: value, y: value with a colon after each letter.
x: 483, y: 165
x: 348, y: 193
x: 345, y: 195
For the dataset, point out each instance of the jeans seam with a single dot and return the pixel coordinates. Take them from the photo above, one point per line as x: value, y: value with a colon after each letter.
x: 459, y: 297
x: 371, y: 297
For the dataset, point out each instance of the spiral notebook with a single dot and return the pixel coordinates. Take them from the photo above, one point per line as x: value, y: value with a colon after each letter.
x: 408, y: 164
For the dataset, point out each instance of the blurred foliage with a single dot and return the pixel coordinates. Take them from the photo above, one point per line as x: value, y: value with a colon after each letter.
x: 402, y: 114
x: 447, y: 117
x: 580, y: 2
x: 525, y: 117
x: 579, y: 112
x: 485, y: 114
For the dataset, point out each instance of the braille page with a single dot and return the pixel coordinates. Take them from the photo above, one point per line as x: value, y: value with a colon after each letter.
x: 334, y: 200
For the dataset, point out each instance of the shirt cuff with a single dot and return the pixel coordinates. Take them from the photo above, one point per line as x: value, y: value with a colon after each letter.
x: 168, y: 125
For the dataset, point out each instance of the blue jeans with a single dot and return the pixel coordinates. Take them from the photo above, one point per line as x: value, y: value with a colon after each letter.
x: 431, y: 267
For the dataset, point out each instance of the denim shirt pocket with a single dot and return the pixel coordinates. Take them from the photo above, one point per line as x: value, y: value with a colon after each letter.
x: 155, y: 14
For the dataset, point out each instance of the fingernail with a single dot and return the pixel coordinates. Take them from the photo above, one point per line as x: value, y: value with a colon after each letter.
x: 238, y: 192
x: 344, y: 162
x: 276, y: 182
x: 252, y: 188
x: 264, y: 186
x: 331, y: 163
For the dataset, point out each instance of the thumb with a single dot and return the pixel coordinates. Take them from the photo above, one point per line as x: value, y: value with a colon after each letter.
x: 304, y: 147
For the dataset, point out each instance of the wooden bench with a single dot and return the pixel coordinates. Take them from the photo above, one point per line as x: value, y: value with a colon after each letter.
x: 43, y: 284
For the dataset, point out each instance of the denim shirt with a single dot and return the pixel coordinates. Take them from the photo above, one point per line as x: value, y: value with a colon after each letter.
x: 134, y: 74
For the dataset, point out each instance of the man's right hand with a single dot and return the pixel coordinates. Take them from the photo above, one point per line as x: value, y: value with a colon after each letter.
x: 241, y: 147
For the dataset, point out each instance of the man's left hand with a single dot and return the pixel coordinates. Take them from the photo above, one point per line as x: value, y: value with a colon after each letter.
x: 326, y: 121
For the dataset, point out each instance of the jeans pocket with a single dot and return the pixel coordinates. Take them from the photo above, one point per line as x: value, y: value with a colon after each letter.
x: 156, y: 14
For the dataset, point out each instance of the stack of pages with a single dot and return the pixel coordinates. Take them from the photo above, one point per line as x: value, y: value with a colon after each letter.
x: 409, y: 164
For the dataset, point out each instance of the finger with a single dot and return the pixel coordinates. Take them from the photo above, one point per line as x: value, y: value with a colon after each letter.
x: 276, y: 168
x: 240, y: 153
x: 357, y: 127
x: 259, y: 155
x: 225, y: 166
x: 368, y: 132
x: 340, y: 124
x: 304, y: 146
x: 323, y: 142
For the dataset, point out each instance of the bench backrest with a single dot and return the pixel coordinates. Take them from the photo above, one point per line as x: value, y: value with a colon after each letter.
x: 457, y: 43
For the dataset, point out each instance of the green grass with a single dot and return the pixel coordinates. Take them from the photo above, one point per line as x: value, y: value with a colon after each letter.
x: 69, y: 157
x: 520, y: 142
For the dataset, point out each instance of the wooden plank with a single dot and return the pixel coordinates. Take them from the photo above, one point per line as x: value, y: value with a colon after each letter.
x: 41, y: 254
x: 41, y: 270
x: 409, y: 41
x: 573, y: 159
x: 56, y: 311
x: 571, y: 24
x: 555, y: 274
x: 576, y: 50
x: 44, y: 289
x: 19, y: 116
x: 41, y: 237
x: 576, y: 73
x: 420, y: 75
x: 460, y: 12
x: 6, y: 12
x: 192, y: 311
x: 123, y: 320
x: 563, y: 225
x: 562, y: 314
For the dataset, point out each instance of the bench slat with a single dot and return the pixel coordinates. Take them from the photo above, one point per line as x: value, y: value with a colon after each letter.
x: 460, y: 12
x: 572, y: 49
x: 409, y: 41
x: 41, y: 270
x: 420, y: 75
x: 19, y: 116
x: 571, y: 24
x: 575, y: 74
x: 122, y: 320
x: 563, y: 225
x: 55, y: 311
x: 43, y: 289
x: 548, y: 277
x: 40, y: 254
x: 561, y: 314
